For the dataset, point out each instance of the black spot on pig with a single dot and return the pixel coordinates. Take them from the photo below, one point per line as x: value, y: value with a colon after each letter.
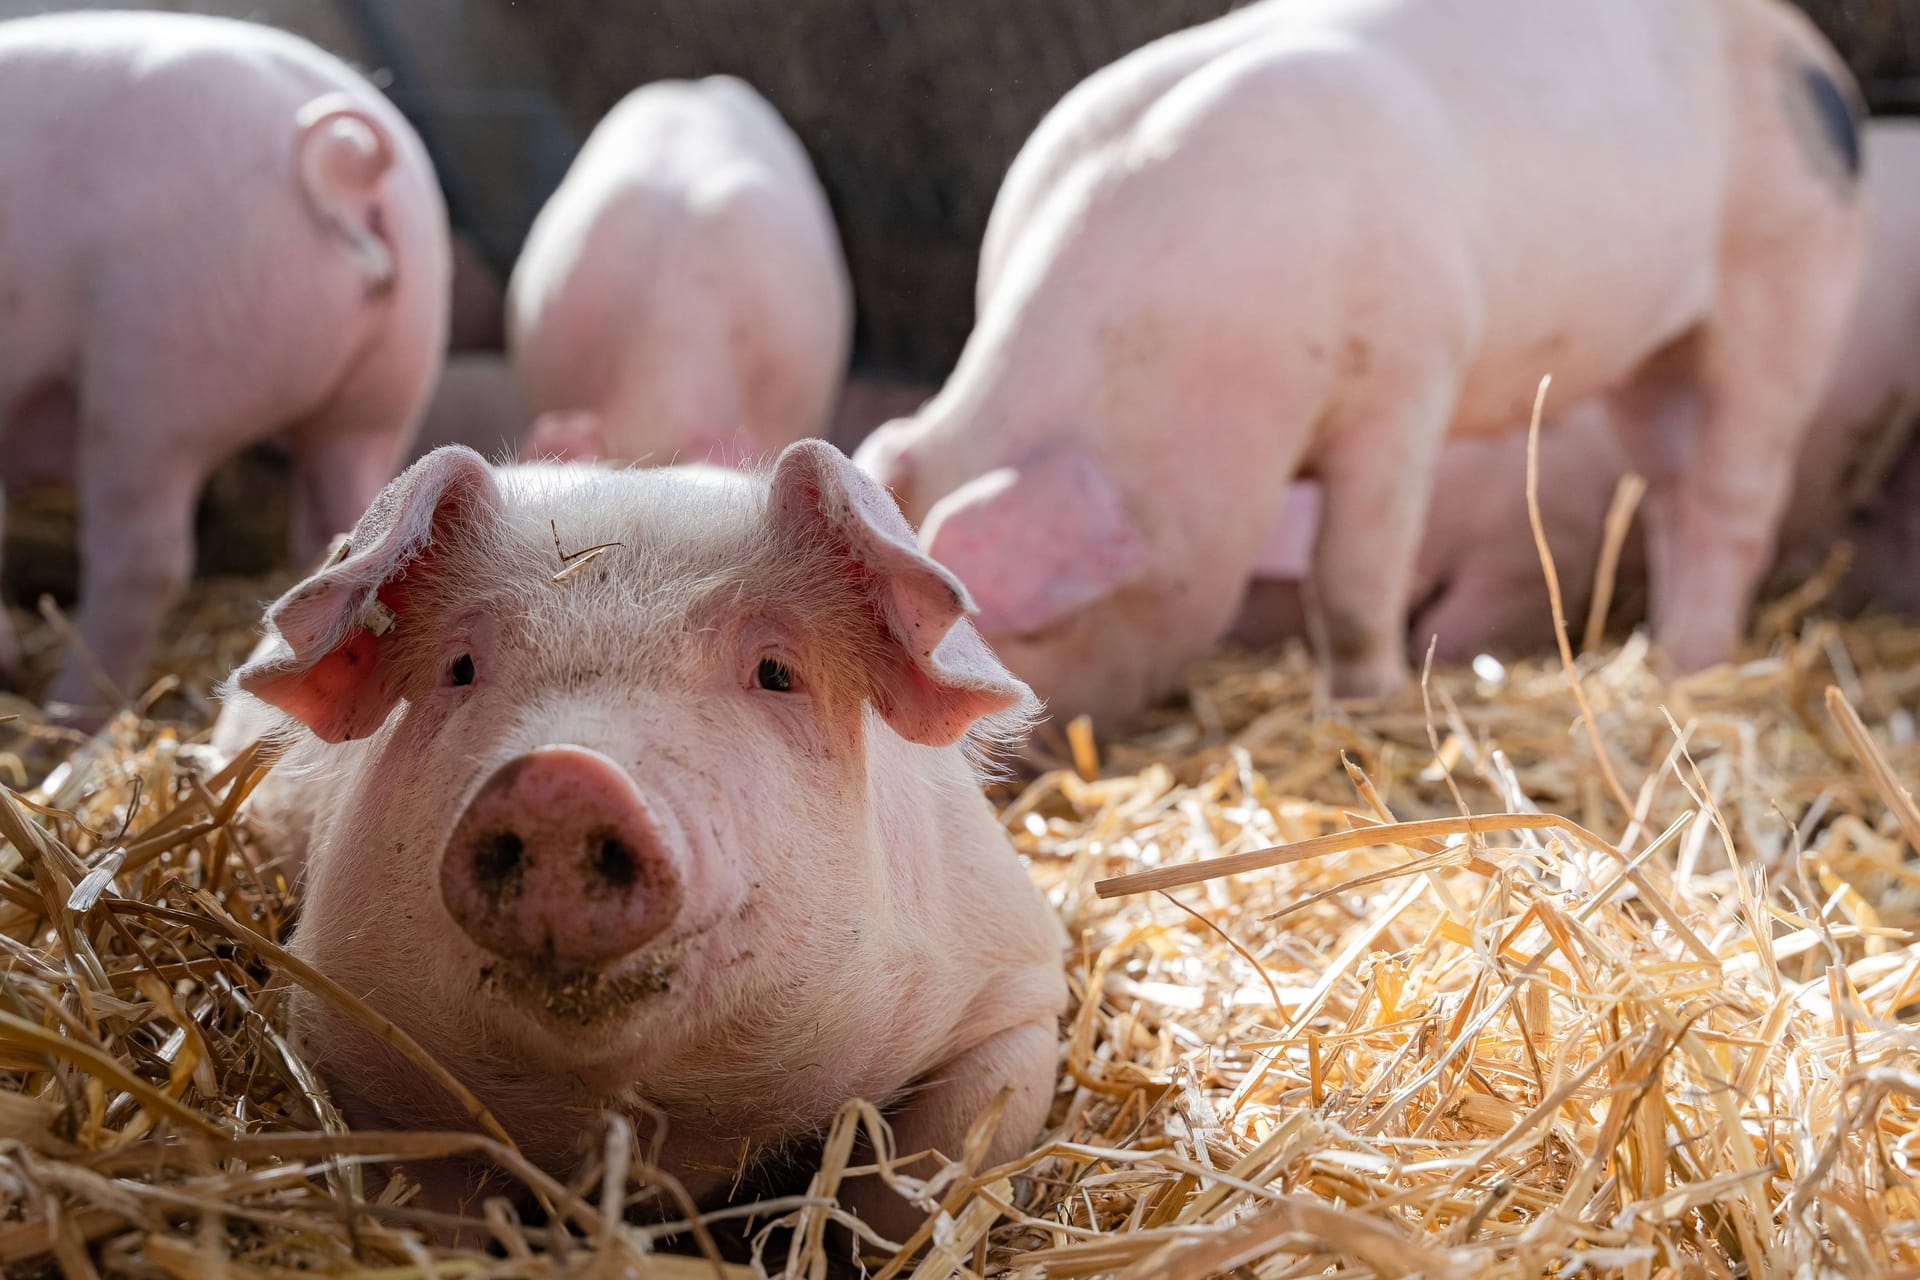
x: 1827, y: 113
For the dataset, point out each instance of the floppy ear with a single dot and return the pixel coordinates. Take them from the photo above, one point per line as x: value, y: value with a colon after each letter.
x: 332, y: 667
x: 932, y: 675
x: 884, y: 455
x: 1036, y: 540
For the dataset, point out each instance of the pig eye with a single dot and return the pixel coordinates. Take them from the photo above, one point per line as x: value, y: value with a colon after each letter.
x: 461, y: 672
x: 773, y: 675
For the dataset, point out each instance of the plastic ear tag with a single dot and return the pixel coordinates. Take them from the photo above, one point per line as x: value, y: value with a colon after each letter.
x: 376, y: 617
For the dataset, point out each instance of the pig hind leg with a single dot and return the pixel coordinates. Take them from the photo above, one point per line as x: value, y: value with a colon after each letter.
x: 1718, y: 445
x: 1715, y: 424
x: 1493, y: 607
x: 343, y: 456
x: 1376, y: 471
x: 137, y: 491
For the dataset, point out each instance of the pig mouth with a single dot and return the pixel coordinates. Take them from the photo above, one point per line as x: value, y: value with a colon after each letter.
x: 584, y: 998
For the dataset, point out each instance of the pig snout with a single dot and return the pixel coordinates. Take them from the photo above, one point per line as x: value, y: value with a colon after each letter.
x: 557, y: 857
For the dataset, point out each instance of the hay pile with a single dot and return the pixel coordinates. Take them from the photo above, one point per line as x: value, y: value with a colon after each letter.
x: 1650, y: 1022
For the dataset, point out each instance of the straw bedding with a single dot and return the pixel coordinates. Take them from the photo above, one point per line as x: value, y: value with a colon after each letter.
x: 1647, y: 1015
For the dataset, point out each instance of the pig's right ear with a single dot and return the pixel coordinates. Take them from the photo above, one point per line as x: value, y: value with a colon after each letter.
x: 1037, y: 540
x: 932, y: 675
x: 332, y: 668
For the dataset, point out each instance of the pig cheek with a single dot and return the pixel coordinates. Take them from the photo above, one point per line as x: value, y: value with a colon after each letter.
x: 757, y: 862
x: 372, y: 916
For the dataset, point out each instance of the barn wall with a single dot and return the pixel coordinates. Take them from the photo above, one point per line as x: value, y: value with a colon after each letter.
x: 912, y: 110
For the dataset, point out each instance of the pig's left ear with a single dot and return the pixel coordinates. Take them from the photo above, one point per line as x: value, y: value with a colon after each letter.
x: 333, y: 666
x: 935, y: 677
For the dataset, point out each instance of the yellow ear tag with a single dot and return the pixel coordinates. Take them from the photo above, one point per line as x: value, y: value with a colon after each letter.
x: 376, y: 617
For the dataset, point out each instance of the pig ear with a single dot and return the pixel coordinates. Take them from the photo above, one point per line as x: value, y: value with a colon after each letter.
x: 934, y: 676
x: 883, y: 455
x: 332, y: 667
x: 1036, y: 540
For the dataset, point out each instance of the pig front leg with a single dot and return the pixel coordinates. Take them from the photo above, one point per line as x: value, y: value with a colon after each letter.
x: 939, y: 1113
x: 348, y: 450
x: 1376, y: 471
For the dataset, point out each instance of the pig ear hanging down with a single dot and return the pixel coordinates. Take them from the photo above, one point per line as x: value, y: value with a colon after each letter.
x: 934, y: 678
x: 333, y: 668
x: 1038, y: 539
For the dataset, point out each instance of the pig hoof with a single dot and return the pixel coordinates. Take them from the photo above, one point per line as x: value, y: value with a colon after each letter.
x: 1690, y: 653
x: 1381, y: 679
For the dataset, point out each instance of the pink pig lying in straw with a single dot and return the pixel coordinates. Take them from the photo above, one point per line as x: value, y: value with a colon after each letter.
x: 211, y: 231
x: 691, y: 829
x: 682, y: 297
x: 1479, y: 571
x: 1328, y: 234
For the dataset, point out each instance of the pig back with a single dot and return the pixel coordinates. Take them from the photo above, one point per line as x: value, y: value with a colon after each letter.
x: 1550, y: 151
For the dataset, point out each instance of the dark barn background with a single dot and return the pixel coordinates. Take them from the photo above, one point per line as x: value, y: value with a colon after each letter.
x: 911, y: 109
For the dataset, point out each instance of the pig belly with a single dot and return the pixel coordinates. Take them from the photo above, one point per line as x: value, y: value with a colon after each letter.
x: 1586, y: 356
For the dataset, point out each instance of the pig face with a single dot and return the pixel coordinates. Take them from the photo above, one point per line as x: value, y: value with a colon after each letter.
x: 611, y: 802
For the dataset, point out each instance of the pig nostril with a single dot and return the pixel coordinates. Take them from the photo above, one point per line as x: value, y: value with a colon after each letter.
x: 499, y: 860
x: 615, y: 862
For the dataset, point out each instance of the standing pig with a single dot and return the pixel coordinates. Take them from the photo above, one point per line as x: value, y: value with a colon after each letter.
x: 1325, y: 236
x: 210, y: 231
x: 1478, y: 567
x: 690, y: 829
x: 682, y: 297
